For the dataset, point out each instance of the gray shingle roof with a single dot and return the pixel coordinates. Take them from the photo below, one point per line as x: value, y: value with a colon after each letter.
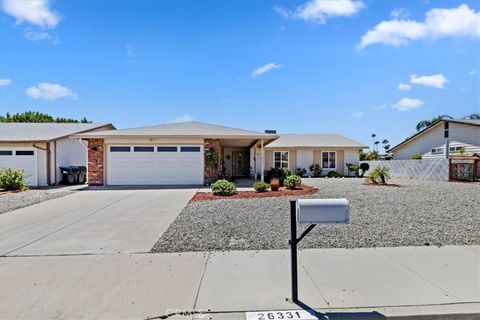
x: 314, y: 141
x: 13, y: 131
x: 472, y: 122
x: 191, y: 128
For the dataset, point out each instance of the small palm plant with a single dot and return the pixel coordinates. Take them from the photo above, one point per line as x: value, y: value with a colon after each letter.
x: 382, y: 173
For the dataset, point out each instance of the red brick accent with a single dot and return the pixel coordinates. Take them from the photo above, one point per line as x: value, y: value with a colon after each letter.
x: 95, y: 162
x: 212, y: 174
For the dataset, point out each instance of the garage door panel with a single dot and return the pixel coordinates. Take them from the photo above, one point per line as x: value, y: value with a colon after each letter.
x: 162, y: 167
x: 25, y: 159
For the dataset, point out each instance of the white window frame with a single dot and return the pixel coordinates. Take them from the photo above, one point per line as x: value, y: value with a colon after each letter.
x: 281, y: 161
x: 436, y: 151
x: 321, y: 160
x: 456, y: 149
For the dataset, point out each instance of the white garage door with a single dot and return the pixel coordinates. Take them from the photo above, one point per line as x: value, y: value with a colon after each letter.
x: 154, y: 165
x: 22, y: 158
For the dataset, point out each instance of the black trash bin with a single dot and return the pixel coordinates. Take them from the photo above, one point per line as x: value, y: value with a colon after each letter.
x: 80, y: 174
x: 68, y: 176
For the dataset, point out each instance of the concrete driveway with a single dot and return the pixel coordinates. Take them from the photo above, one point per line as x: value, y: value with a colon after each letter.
x: 92, y: 222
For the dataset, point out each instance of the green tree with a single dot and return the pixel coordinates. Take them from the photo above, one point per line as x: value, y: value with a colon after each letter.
x: 35, y: 116
x: 427, y: 123
x: 475, y: 116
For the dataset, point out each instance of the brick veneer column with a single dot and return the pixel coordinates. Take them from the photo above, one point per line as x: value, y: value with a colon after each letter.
x: 212, y: 174
x: 95, y: 162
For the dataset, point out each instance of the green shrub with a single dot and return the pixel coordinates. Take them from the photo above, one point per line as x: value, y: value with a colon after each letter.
x: 417, y: 156
x: 333, y: 174
x: 12, y: 179
x: 280, y: 173
x: 316, y: 170
x: 353, y: 168
x: 224, y: 188
x: 300, y: 172
x: 381, y: 173
x: 292, y: 181
x: 261, y: 186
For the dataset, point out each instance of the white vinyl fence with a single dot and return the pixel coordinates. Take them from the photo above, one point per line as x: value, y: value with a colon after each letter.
x: 427, y: 170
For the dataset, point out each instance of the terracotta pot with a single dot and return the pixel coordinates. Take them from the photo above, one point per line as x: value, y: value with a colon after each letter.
x: 274, y: 187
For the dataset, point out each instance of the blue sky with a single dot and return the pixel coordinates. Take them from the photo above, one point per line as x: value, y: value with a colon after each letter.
x: 320, y: 66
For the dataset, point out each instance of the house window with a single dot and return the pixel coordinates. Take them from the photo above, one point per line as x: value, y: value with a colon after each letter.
x: 437, y: 151
x: 119, y: 149
x: 167, y: 149
x: 5, y: 153
x: 280, y: 159
x: 24, y: 153
x: 329, y: 160
x: 456, y: 149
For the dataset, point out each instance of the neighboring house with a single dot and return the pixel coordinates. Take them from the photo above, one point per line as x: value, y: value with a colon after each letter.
x: 461, y: 134
x: 41, y: 148
x: 188, y: 153
x: 331, y: 151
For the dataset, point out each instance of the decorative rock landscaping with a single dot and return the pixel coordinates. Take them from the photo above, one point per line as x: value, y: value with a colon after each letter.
x: 411, y: 214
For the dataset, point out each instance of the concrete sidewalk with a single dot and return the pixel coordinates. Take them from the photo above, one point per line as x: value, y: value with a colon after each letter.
x: 361, y: 283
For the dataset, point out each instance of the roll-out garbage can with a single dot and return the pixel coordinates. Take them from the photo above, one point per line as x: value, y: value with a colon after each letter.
x: 68, y: 177
x: 74, y: 174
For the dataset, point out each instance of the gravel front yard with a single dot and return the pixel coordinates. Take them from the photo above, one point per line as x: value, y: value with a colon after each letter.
x: 10, y: 201
x: 414, y: 214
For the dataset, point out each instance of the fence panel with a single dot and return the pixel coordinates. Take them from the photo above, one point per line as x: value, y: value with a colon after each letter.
x: 425, y: 169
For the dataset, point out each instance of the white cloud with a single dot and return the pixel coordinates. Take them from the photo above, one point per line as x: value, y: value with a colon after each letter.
x: 400, y: 13
x: 32, y: 35
x: 35, y: 12
x: 358, y: 114
x: 473, y: 72
x: 380, y: 107
x: 5, y: 82
x: 407, y: 104
x: 50, y: 91
x: 438, y: 23
x: 404, y: 86
x: 436, y: 80
x: 183, y: 118
x: 263, y: 69
x: 319, y: 11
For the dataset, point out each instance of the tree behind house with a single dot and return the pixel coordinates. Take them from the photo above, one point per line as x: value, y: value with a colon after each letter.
x: 38, y: 117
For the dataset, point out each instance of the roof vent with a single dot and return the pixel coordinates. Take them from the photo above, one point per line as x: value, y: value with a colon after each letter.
x: 271, y: 131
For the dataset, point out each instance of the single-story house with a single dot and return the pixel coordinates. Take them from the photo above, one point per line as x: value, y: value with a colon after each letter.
x: 452, y: 135
x: 194, y: 153
x: 331, y: 151
x: 41, y: 148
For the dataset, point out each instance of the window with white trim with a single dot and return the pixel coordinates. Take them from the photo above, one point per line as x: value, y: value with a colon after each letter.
x: 436, y: 151
x: 329, y: 159
x: 280, y: 159
x: 457, y: 149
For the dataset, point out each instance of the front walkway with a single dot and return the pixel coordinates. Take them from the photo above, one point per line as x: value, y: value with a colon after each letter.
x: 345, y: 283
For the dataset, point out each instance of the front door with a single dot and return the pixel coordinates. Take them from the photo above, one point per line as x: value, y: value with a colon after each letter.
x: 240, y: 164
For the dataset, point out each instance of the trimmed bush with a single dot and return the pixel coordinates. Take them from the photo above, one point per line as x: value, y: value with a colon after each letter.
x: 224, y: 188
x: 261, y: 186
x: 300, y: 172
x: 333, y: 174
x: 417, y: 156
x: 364, y: 167
x: 292, y: 181
x: 12, y: 179
x: 316, y: 170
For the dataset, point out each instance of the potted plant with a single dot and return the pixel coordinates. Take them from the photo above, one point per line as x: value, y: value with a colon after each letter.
x: 274, y: 184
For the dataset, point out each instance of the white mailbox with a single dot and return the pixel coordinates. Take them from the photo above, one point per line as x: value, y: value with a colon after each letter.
x: 320, y: 211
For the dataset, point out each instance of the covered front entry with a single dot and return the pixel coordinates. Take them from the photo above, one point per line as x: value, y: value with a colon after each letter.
x: 154, y: 165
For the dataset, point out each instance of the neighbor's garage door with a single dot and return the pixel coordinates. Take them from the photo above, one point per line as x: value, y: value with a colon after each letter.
x: 154, y: 165
x: 23, y: 159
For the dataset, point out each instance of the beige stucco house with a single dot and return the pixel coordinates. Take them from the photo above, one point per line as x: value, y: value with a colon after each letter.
x: 432, y: 142
x: 331, y: 151
x: 195, y: 153
x: 41, y: 148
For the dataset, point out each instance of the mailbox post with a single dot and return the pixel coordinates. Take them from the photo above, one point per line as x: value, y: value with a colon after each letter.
x: 313, y: 212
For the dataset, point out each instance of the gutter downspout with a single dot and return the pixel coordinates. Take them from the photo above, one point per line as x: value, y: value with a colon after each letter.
x: 86, y: 148
x: 262, y: 178
x: 47, y: 150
